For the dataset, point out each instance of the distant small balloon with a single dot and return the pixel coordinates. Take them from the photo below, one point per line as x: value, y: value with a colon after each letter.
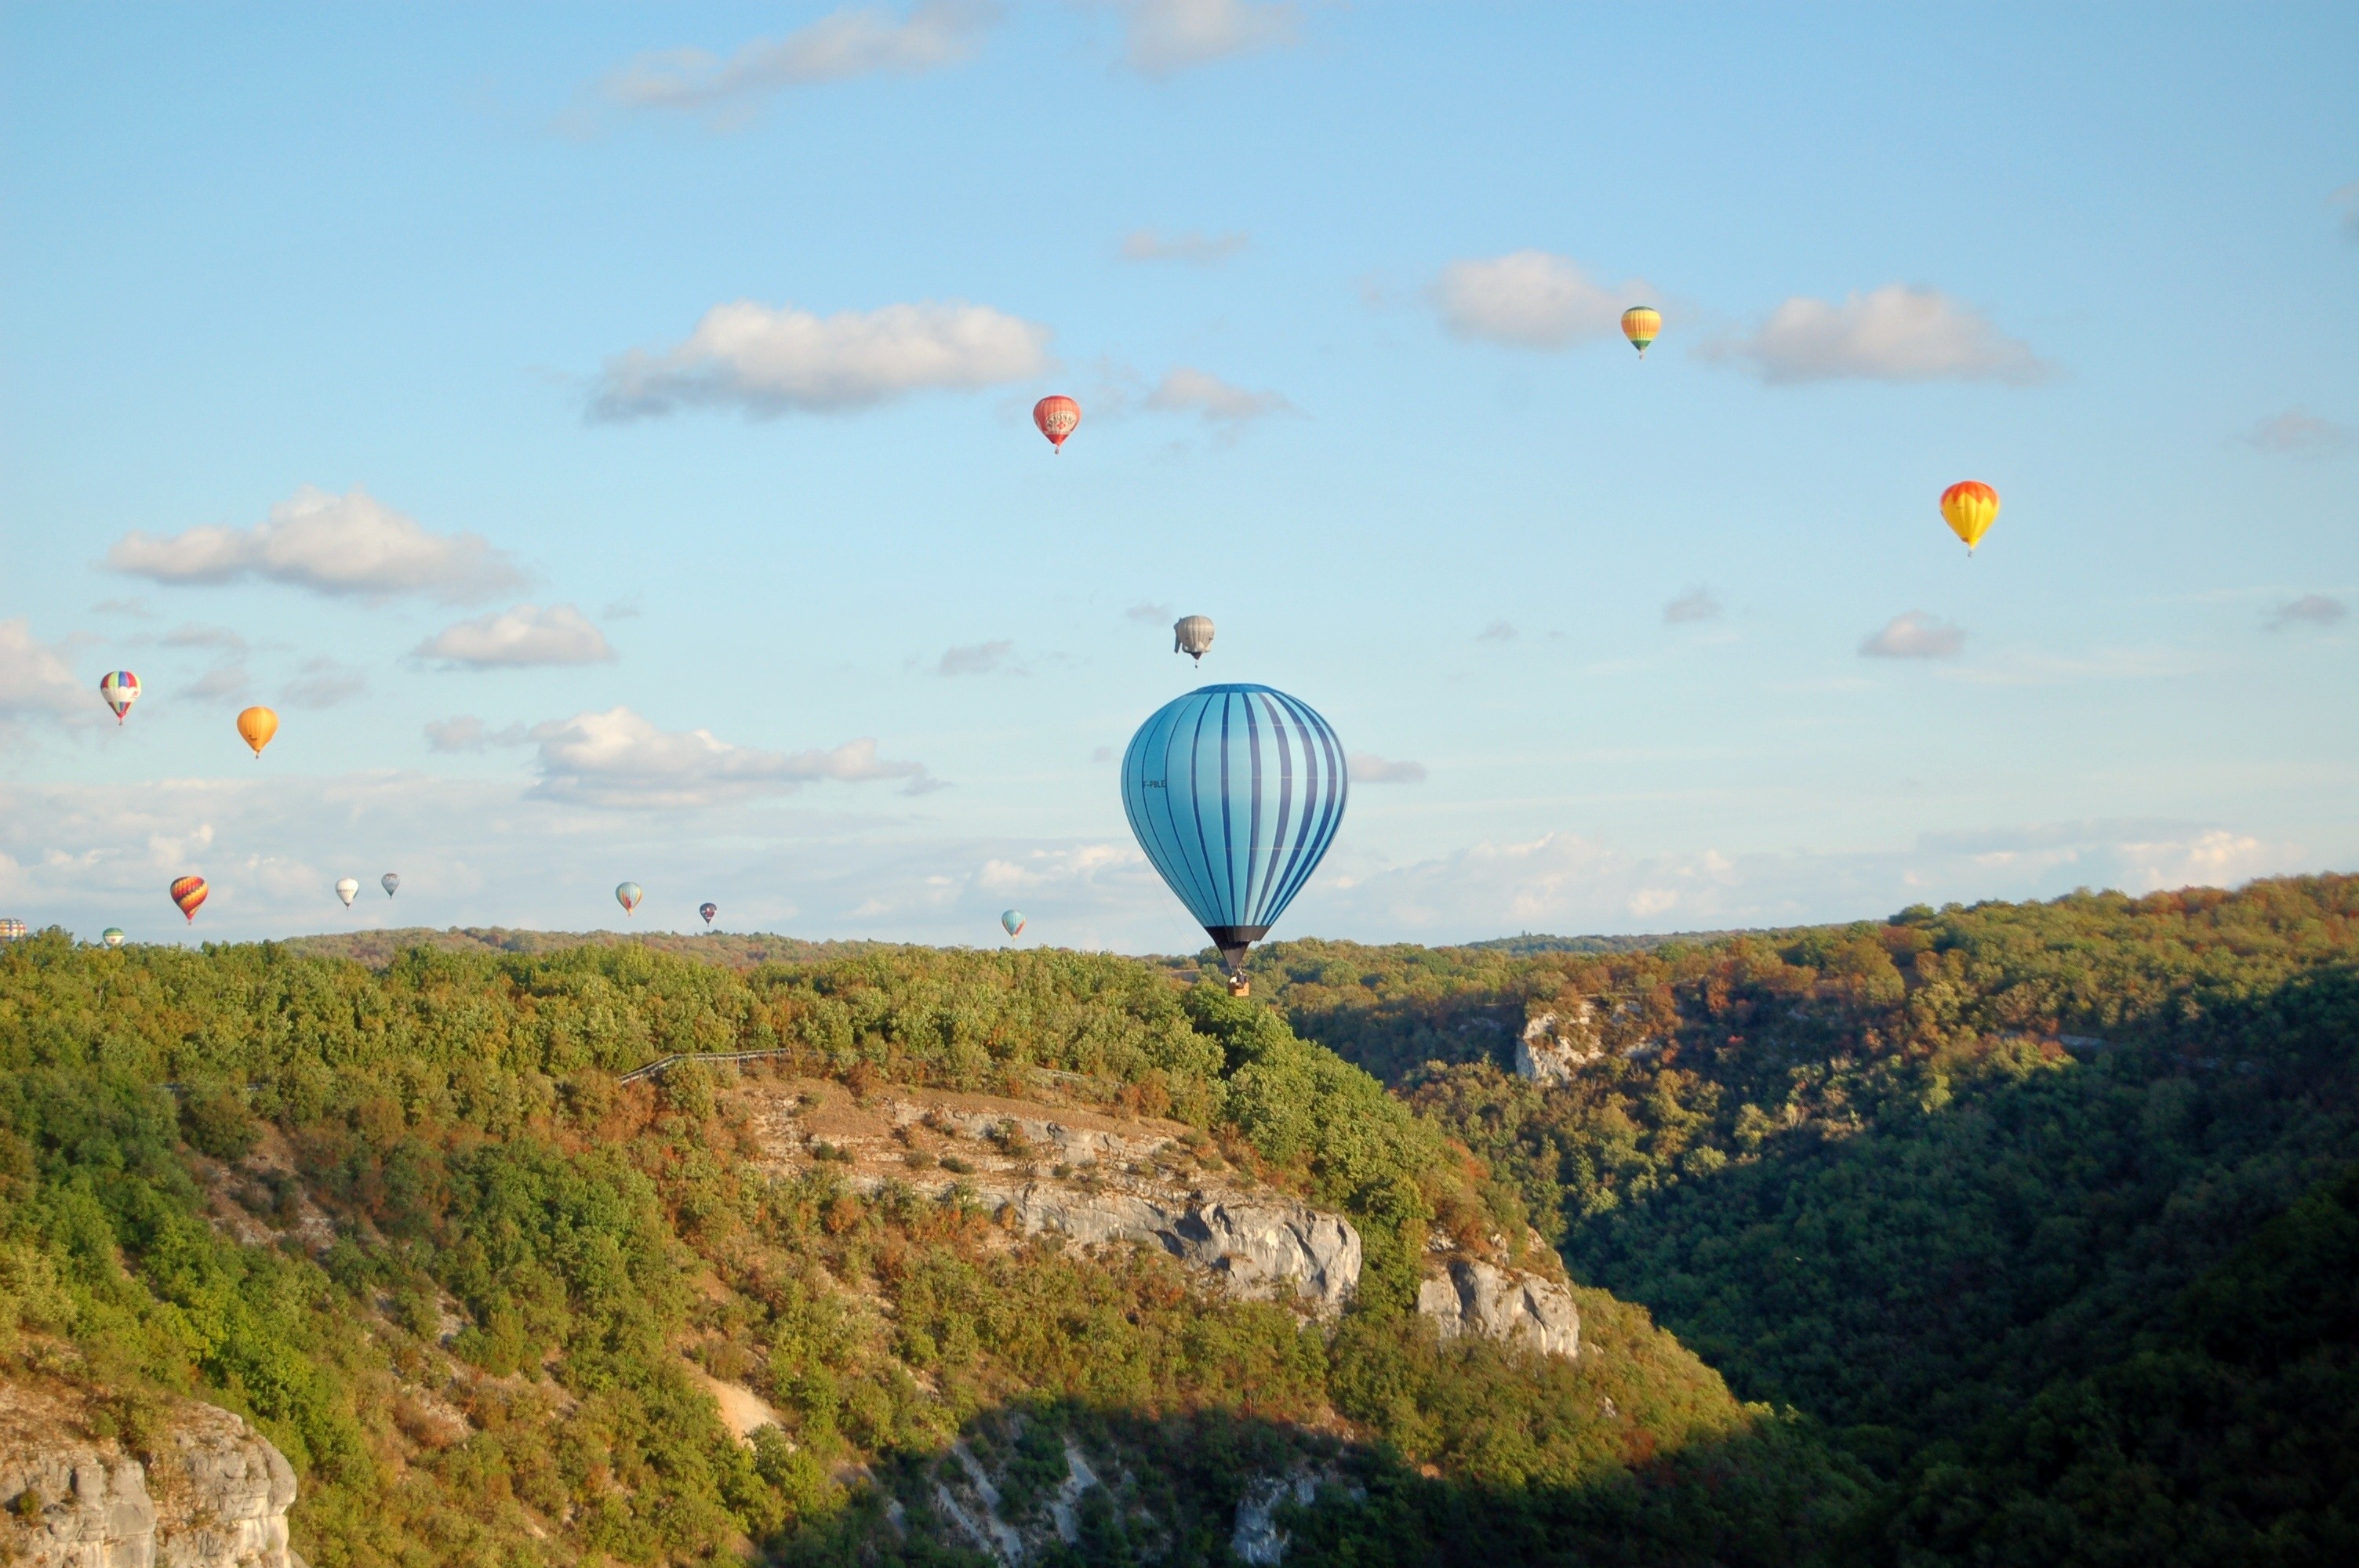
x: 112, y: 936
x: 1193, y: 635
x: 1641, y: 324
x: 345, y: 888
x: 388, y: 882
x: 121, y: 690
x: 629, y: 895
x: 1013, y: 920
x: 708, y: 911
x: 12, y: 931
x: 1970, y: 507
x: 190, y: 892
x: 257, y: 725
x: 1056, y: 417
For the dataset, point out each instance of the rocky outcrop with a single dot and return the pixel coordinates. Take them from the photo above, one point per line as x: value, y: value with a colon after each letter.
x: 1555, y: 1045
x: 1260, y: 1248
x: 1470, y: 1296
x: 218, y: 1497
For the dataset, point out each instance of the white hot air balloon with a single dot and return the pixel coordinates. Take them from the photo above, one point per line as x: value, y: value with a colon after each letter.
x: 390, y: 881
x: 1193, y: 635
x: 345, y: 888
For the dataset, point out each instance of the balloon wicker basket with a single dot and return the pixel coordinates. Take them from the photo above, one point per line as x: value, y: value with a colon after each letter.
x: 1239, y: 986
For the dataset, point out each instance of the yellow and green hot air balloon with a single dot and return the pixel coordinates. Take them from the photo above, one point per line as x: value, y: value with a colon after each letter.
x: 1968, y: 507
x: 1642, y: 324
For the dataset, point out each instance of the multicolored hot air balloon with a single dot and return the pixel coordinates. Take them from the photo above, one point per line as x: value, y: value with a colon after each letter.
x: 389, y: 882
x: 1056, y: 417
x: 1969, y: 507
x: 629, y: 895
x: 345, y: 888
x: 1234, y: 793
x: 190, y: 892
x: 121, y: 690
x: 1642, y: 324
x: 112, y: 936
x: 257, y: 725
x: 708, y: 911
x: 1011, y: 921
x: 12, y: 931
x: 1193, y: 635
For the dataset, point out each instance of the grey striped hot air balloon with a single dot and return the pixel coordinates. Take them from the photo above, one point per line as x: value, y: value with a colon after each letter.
x: 1193, y: 635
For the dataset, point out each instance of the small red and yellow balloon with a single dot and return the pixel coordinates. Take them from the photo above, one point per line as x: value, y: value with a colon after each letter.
x: 190, y: 892
x: 1056, y: 417
x: 1969, y: 507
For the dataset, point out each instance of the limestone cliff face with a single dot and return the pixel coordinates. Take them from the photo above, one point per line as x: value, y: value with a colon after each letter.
x: 1470, y: 1296
x: 1256, y: 1247
x: 217, y: 1498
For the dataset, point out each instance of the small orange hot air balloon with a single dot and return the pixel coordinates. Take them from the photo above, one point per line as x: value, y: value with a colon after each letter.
x: 1056, y: 417
x: 1968, y: 507
x: 1642, y: 324
x: 257, y: 725
x: 189, y: 892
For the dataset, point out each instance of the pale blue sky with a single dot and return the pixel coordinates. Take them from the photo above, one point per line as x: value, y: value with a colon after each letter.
x: 2107, y: 261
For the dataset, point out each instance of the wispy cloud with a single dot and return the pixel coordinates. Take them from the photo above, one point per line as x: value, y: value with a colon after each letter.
x: 1915, y: 635
x: 1697, y: 604
x: 766, y: 362
x: 2311, y: 610
x: 2297, y: 433
x: 618, y: 759
x: 975, y: 659
x: 1185, y: 390
x: 1199, y: 250
x: 323, y: 683
x: 526, y: 635
x: 1498, y: 632
x: 220, y: 682
x: 196, y: 635
x: 860, y: 40
x: 1163, y: 37
x: 1367, y: 768
x: 1894, y: 333
x: 467, y: 733
x: 134, y: 608
x: 1530, y: 299
x: 349, y: 544
x: 36, y: 680
x: 2348, y: 199
x: 1149, y: 612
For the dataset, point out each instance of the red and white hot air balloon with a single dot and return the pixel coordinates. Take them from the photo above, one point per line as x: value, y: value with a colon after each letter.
x: 1056, y: 417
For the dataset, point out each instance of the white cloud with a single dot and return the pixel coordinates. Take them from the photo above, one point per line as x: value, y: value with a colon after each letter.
x: 134, y: 608
x: 1184, y: 390
x: 323, y: 683
x: 1498, y: 632
x: 1150, y: 612
x: 2316, y: 609
x: 467, y: 733
x: 863, y: 40
x: 1201, y: 250
x: 34, y: 680
x: 1698, y: 605
x: 1914, y: 635
x: 1530, y: 299
x: 618, y: 759
x: 526, y: 635
x: 194, y: 635
x: 1366, y: 767
x: 1160, y: 37
x: 1893, y: 333
x: 772, y: 362
x: 220, y: 681
x: 2298, y: 433
x: 975, y: 659
x: 330, y: 543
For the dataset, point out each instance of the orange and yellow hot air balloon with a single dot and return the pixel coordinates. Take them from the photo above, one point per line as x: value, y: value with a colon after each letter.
x: 1056, y: 417
x: 1641, y: 324
x: 257, y: 725
x: 1968, y: 507
x: 189, y: 892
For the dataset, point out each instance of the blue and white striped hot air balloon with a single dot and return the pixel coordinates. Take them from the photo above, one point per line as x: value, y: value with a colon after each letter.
x: 1234, y: 793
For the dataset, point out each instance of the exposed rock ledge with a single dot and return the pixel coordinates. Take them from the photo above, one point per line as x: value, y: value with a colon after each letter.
x: 220, y: 1498
x: 1258, y: 1247
x: 1470, y: 1296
